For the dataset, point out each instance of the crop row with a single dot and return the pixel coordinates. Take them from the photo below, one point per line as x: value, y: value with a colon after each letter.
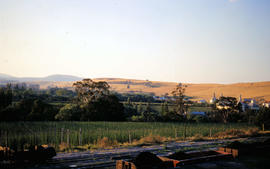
x: 20, y: 134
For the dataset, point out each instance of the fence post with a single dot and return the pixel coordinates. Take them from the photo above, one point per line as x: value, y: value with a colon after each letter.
x: 210, y: 133
x: 129, y: 137
x: 80, y: 136
x: 0, y: 137
x: 6, y: 133
x: 55, y: 140
x: 175, y: 133
x: 185, y: 132
x: 62, y: 135
x: 35, y: 141
x: 67, y: 136
x: 263, y: 127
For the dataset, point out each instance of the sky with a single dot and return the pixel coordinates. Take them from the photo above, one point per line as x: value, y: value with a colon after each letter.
x: 194, y: 41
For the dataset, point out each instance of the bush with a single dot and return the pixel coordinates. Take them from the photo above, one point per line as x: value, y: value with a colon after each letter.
x: 151, y: 140
x: 69, y: 112
x: 136, y: 118
x: 28, y: 110
x: 105, y: 142
x: 197, y: 137
x: 173, y: 116
x: 104, y: 109
x: 263, y: 118
x: 11, y: 113
x: 197, y: 118
x: 231, y: 133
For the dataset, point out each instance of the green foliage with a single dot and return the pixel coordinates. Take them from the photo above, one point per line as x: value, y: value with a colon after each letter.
x: 128, y: 102
x: 135, y: 97
x: 230, y: 102
x: 149, y: 114
x: 70, y: 112
x: 41, y: 111
x: 173, y: 117
x: 50, y: 132
x: 179, y: 96
x: 10, y: 113
x: 164, y: 109
x: 104, y: 109
x: 89, y: 91
x: 136, y: 118
x: 5, y: 97
x: 28, y: 110
x: 97, y: 103
x: 228, y: 107
x: 140, y: 108
x: 263, y: 118
x: 197, y: 118
x: 130, y: 111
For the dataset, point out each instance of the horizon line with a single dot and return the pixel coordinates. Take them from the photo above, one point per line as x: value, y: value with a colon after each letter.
x: 224, y: 83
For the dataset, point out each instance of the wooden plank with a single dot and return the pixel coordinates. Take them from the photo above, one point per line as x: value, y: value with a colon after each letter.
x: 222, y: 153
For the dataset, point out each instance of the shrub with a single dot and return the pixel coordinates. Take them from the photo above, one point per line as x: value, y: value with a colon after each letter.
x: 63, y: 146
x: 252, y: 132
x: 231, y: 133
x: 151, y: 140
x: 105, y: 142
x: 69, y: 112
x: 197, y: 137
x: 136, y: 118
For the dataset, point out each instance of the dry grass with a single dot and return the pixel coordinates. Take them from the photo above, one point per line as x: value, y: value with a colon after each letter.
x: 149, y: 140
x: 156, y: 139
x: 197, y: 137
x: 200, y: 91
x: 252, y: 132
x: 237, y: 133
x: 63, y: 147
x: 4, y: 148
x: 230, y: 133
x: 106, y: 143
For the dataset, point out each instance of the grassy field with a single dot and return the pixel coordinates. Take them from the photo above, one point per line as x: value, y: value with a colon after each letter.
x: 19, y: 134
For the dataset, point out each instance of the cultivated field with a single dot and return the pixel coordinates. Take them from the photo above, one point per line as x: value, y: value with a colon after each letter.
x: 19, y: 134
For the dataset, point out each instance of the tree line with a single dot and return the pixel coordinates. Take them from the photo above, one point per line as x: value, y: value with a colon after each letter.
x: 94, y: 101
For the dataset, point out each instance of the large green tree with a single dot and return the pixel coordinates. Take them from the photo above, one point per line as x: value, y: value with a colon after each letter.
x: 228, y: 109
x: 89, y: 91
x: 96, y: 101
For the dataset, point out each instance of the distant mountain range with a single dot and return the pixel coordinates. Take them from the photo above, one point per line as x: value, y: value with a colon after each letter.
x: 51, y: 78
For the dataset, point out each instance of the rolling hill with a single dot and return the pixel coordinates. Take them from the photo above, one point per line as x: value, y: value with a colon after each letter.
x: 258, y: 90
x: 55, y: 78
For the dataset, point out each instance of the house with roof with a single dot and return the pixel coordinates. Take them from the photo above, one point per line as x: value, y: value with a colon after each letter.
x: 213, y: 99
x: 248, y: 104
x: 198, y: 113
x: 266, y: 104
x: 225, y: 103
x: 202, y: 101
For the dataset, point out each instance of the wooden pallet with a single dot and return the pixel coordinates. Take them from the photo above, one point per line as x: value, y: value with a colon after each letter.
x: 222, y: 153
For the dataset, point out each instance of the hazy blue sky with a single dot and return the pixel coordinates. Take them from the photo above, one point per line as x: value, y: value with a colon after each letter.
x: 199, y: 41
